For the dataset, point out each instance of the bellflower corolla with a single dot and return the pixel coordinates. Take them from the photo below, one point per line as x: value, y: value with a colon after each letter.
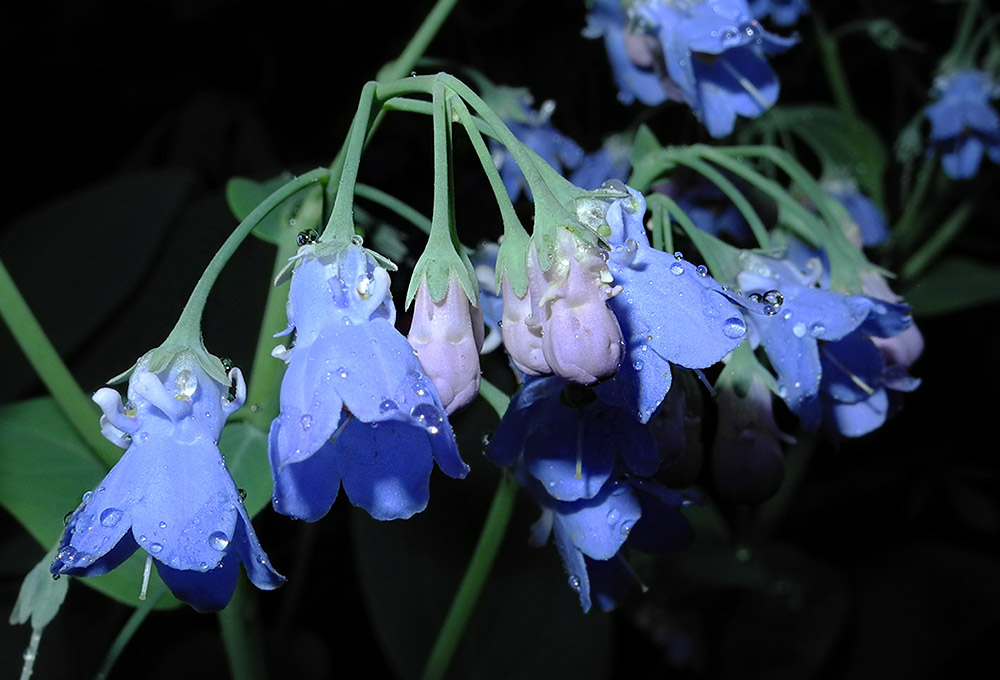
x: 669, y: 310
x: 535, y: 130
x: 170, y: 493
x: 710, y: 55
x: 585, y: 463
x: 357, y: 408
x: 563, y: 324
x: 447, y: 336
x: 964, y: 124
x: 799, y: 316
x: 782, y: 12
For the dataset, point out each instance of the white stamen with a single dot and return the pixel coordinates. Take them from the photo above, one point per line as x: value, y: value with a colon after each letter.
x: 145, y: 576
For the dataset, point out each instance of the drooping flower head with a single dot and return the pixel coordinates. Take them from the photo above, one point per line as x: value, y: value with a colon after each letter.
x: 170, y: 494
x: 710, y: 55
x: 670, y: 311
x: 586, y: 463
x: 563, y: 325
x: 357, y: 407
x: 871, y: 226
x: 964, y: 125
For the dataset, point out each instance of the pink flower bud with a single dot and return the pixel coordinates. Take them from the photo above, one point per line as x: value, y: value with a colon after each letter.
x: 581, y: 339
x: 522, y: 334
x: 447, y: 336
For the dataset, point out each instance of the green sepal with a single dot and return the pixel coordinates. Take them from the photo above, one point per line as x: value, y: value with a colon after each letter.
x: 741, y: 368
x: 438, y: 265
x: 512, y: 261
x: 162, y: 357
x: 644, y: 144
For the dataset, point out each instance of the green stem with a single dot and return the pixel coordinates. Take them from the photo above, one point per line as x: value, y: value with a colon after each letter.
x: 128, y: 631
x: 906, y: 231
x: 43, y: 357
x: 407, y: 212
x: 474, y: 579
x: 938, y: 242
x: 266, y: 372
x: 340, y: 227
x: 242, y: 636
x: 401, y: 67
x: 187, y: 331
x: 830, y: 56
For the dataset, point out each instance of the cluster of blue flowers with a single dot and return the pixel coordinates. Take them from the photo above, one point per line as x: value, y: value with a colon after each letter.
x: 964, y: 125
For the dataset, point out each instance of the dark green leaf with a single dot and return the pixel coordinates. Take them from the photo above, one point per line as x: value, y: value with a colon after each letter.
x: 243, y: 195
x: 245, y: 450
x: 955, y: 283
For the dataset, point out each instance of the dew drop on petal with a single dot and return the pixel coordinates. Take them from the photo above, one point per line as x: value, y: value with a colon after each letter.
x: 799, y: 330
x: 626, y: 527
x: 387, y: 405
x: 306, y: 421
x: 734, y: 327
x: 218, y: 540
x: 574, y: 582
x: 155, y: 548
x: 185, y: 385
x: 637, y: 364
x: 613, y: 516
x: 242, y: 494
x: 342, y: 372
x: 111, y: 517
x: 817, y: 329
x: 429, y: 416
x: 702, y: 270
x: 676, y: 268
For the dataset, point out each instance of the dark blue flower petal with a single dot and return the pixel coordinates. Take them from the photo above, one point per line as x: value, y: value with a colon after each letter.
x: 860, y: 418
x: 385, y: 467
x: 599, y: 526
x: 255, y: 561
x: 609, y: 579
x: 306, y: 489
x: 207, y: 591
x: 576, y: 566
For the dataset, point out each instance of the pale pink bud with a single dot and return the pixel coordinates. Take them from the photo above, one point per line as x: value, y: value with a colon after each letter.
x: 522, y: 335
x: 447, y: 336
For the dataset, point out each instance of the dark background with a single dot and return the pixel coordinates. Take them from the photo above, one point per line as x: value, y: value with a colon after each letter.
x: 125, y: 119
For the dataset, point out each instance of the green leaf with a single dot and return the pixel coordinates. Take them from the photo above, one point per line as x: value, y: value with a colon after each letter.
x: 844, y: 145
x: 955, y: 283
x: 644, y: 144
x: 245, y: 449
x: 243, y: 195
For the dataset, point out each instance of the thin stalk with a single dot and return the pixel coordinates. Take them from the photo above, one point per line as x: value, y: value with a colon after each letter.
x: 340, y: 226
x: 906, y: 231
x: 938, y: 242
x: 478, y: 570
x: 75, y: 404
x: 404, y: 210
x: 829, y: 52
x: 242, y: 636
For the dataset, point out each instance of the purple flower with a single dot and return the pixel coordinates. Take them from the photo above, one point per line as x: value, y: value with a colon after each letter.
x: 872, y: 228
x: 585, y: 463
x: 170, y: 493
x: 484, y: 260
x: 710, y: 55
x: 357, y: 407
x: 964, y: 125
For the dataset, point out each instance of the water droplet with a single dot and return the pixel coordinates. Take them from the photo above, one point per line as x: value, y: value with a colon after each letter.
x: 770, y: 310
x: 357, y: 240
x: 774, y: 297
x: 626, y: 527
x: 67, y: 517
x: 67, y: 554
x: 111, y: 517
x: 817, y: 329
x: 799, y: 329
x: 155, y: 548
x: 143, y: 539
x: 56, y: 577
x: 676, y: 268
x: 754, y: 297
x: 613, y: 516
x: 185, y: 385
x: 678, y: 255
x: 575, y: 582
x: 242, y: 494
x: 203, y: 566
x: 637, y: 364
x: 342, y: 372
x: 387, y: 405
x: 163, y: 525
x: 734, y: 327
x: 702, y: 270
x: 429, y: 416
x: 218, y: 540
x: 306, y: 421
x: 86, y: 496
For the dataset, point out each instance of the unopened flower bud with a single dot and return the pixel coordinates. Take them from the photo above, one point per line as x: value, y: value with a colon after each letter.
x: 903, y: 349
x: 447, y: 336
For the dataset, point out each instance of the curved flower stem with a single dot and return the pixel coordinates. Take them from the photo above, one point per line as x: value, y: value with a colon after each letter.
x: 936, y: 244
x: 474, y: 579
x: 907, y: 228
x: 404, y: 210
x: 830, y: 56
x: 43, y: 357
x: 241, y: 635
x: 128, y: 630
x: 187, y: 331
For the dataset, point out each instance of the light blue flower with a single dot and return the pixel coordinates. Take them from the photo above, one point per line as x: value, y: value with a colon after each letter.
x: 484, y: 261
x: 670, y: 311
x: 611, y: 161
x: 964, y: 125
x: 711, y: 55
x: 356, y: 406
x: 799, y: 315
x: 782, y: 12
x: 872, y: 227
x: 170, y: 493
